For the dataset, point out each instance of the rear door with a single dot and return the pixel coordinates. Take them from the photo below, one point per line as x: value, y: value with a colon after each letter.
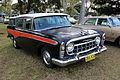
x: 103, y: 25
x: 19, y: 31
x: 27, y: 35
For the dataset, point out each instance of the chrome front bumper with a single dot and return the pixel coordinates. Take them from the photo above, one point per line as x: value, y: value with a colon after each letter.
x: 70, y: 61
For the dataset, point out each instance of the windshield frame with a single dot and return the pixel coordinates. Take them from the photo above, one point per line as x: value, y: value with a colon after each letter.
x: 52, y: 27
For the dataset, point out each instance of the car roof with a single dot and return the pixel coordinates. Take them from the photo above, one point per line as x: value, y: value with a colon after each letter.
x: 38, y: 15
x: 101, y: 17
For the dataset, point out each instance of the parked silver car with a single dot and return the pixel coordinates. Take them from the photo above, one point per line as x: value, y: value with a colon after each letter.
x: 109, y: 25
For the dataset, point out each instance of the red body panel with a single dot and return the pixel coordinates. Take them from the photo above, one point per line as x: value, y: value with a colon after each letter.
x: 27, y: 35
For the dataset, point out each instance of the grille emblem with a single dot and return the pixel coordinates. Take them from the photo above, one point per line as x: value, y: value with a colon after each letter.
x: 87, y: 40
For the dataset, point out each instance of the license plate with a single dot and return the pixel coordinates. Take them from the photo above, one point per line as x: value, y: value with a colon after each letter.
x: 90, y: 57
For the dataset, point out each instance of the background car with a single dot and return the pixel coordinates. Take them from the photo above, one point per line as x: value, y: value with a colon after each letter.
x: 109, y: 25
x: 6, y: 20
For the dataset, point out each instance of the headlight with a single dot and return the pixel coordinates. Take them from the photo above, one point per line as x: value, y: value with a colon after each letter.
x: 70, y: 47
x: 97, y: 39
x: 62, y: 50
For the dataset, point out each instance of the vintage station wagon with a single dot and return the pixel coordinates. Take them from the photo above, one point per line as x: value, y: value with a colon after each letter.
x: 51, y: 35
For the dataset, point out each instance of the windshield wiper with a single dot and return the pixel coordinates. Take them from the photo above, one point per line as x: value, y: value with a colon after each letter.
x: 57, y: 27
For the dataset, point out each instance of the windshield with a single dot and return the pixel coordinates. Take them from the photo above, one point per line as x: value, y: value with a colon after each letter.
x: 51, y: 22
x: 115, y: 21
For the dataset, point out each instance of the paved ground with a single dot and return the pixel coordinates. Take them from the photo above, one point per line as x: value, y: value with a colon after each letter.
x: 24, y: 65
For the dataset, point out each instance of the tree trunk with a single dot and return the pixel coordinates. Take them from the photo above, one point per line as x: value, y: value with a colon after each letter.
x: 20, y: 6
x: 29, y: 6
x: 82, y: 11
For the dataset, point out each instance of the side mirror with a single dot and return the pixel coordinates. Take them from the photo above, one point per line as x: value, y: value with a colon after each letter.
x: 73, y: 23
x: 72, y: 20
x: 108, y: 24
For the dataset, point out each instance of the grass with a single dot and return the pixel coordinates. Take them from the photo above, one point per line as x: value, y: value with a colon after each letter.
x: 18, y: 64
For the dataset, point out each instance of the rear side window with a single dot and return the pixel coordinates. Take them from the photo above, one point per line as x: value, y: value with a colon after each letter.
x: 90, y: 21
x: 19, y: 23
x: 102, y: 22
x: 28, y: 23
x: 12, y: 22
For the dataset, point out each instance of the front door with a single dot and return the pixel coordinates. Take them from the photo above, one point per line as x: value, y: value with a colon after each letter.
x: 102, y: 25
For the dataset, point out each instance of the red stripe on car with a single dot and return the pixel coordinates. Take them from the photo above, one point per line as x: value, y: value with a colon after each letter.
x: 22, y: 34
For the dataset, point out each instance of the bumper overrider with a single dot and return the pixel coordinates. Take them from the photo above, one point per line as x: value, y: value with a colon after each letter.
x: 76, y: 58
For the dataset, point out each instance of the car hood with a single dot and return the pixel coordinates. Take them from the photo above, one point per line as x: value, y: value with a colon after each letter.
x: 66, y: 33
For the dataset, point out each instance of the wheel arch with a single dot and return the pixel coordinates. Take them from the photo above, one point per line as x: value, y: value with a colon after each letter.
x: 117, y: 39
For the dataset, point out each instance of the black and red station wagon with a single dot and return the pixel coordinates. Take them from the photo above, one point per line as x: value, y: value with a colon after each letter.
x: 52, y: 36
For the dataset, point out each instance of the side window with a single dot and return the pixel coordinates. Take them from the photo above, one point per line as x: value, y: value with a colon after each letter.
x: 28, y: 23
x: 90, y: 21
x: 11, y: 22
x: 19, y: 23
x: 102, y: 22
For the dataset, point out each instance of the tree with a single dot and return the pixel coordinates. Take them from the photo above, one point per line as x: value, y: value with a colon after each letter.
x: 6, y: 7
x: 20, y: 6
x: 37, y: 5
x: 107, y: 7
x: 71, y: 11
x: 82, y: 11
x: 68, y: 6
x: 15, y: 8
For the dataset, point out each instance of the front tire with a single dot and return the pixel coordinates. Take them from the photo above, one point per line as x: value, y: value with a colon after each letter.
x: 47, y: 58
x: 118, y: 42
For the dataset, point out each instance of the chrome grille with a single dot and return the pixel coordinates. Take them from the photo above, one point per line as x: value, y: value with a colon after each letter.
x: 86, y: 46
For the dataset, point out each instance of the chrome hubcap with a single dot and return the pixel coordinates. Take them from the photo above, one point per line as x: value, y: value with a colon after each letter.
x: 46, y: 57
x: 14, y: 43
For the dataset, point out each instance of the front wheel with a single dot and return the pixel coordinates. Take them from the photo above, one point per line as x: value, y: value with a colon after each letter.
x: 46, y: 57
x: 118, y: 42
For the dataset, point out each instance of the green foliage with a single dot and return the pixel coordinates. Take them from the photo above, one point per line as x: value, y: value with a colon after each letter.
x: 15, y: 8
x: 107, y: 7
x: 37, y: 5
x: 71, y: 11
x: 6, y: 7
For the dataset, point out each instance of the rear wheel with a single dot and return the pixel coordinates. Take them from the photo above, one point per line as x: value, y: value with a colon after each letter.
x: 46, y: 57
x: 15, y: 45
